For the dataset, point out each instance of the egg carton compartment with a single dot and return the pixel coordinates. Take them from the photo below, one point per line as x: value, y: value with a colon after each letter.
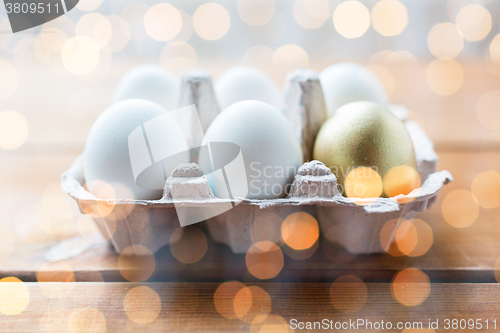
x: 357, y: 222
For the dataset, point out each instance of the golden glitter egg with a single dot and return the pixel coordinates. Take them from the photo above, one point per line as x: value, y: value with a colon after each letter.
x: 369, y: 150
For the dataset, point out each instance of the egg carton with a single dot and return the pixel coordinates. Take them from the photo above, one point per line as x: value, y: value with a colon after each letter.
x: 357, y: 222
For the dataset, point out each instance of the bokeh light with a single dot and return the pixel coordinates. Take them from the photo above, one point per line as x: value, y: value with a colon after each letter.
x: 9, y: 80
x: 379, y: 58
x: 121, y: 33
x: 411, y: 287
x: 95, y: 26
x: 495, y: 50
x: 256, y: 12
x: 53, y: 38
x: 389, y: 17
x: 187, y: 29
x: 103, y: 67
x: 211, y: 21
x: 110, y: 192
x: 444, y: 76
x: 13, y: 129
x: 58, y: 271
x: 87, y: 319
x: 188, y: 244
x: 272, y: 324
x: 474, y: 21
x: 311, y: 14
x: 163, y: 22
x: 80, y: 55
x: 402, y: 57
x: 14, y: 296
x: 224, y: 299
x: 88, y: 5
x: 348, y: 293
x: 242, y: 302
x: 136, y: 263
x: 266, y: 227
x: 142, y: 305
x: 460, y: 208
x: 363, y: 182
x: 47, y: 56
x: 414, y: 237
x: 319, y: 9
x: 401, y: 179
x: 63, y: 23
x: 252, y: 304
x: 445, y: 40
x: 385, y: 77
x: 178, y: 57
x: 89, y: 275
x: 156, y: 325
x: 388, y: 237
x: 300, y: 254
x: 351, y: 19
x: 300, y: 231
x: 488, y: 111
x: 413, y: 116
x: 486, y: 189
x: 406, y: 237
x: 264, y: 260
x: 290, y: 57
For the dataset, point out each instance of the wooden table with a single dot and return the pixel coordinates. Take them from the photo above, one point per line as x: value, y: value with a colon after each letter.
x: 58, y: 128
x: 189, y: 307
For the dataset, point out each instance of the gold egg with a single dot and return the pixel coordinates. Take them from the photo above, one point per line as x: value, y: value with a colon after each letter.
x: 369, y: 150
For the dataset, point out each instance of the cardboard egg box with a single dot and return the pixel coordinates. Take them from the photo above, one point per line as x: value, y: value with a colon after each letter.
x: 238, y: 222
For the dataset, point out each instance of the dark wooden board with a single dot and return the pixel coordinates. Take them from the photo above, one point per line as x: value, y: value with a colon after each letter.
x: 190, y: 307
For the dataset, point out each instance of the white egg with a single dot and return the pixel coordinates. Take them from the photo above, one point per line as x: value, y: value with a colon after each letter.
x: 107, y: 157
x: 243, y: 83
x: 149, y: 82
x: 348, y: 82
x: 271, y: 152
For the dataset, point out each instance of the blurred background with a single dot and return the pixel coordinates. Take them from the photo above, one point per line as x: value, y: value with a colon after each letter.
x: 83, y: 53
x: 439, y: 58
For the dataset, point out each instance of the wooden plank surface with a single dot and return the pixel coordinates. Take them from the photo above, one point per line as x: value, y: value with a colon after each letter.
x: 189, y: 307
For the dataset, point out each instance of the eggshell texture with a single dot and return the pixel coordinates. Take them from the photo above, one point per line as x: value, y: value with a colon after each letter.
x: 348, y: 82
x: 271, y: 152
x: 107, y: 155
x: 364, y: 134
x: 149, y: 82
x: 246, y: 83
